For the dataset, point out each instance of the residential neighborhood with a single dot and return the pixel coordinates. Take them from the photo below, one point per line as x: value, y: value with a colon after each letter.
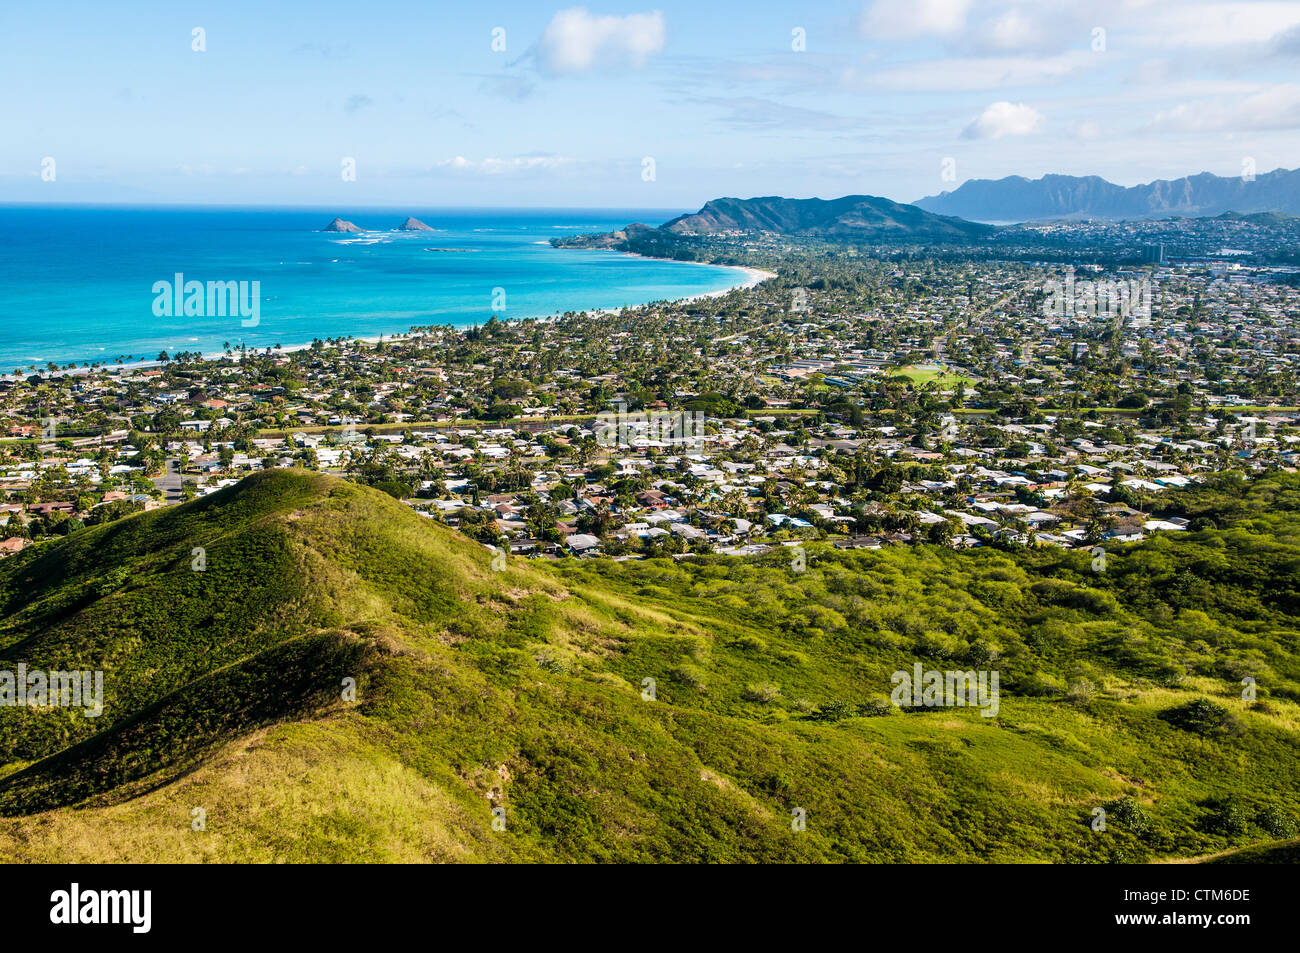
x: 874, y: 404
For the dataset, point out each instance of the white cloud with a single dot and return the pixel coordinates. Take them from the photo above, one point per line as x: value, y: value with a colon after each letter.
x: 1004, y: 119
x: 1277, y: 107
x: 892, y: 18
x: 1086, y: 130
x: 491, y: 165
x: 973, y: 73
x: 1014, y: 31
x: 1286, y: 43
x: 576, y: 41
x: 1178, y: 26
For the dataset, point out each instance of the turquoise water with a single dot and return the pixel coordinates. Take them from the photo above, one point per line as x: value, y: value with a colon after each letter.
x: 78, y: 284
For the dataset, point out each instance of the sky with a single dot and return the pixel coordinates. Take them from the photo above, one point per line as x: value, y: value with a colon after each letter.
x: 642, y: 105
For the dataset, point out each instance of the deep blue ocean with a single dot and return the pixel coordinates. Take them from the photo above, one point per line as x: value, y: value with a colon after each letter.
x: 77, y: 284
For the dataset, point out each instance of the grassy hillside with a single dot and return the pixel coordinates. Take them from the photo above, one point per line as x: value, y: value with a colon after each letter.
x: 522, y: 690
x: 861, y: 217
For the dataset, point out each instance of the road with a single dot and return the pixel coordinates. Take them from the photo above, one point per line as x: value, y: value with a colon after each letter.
x: 170, y: 482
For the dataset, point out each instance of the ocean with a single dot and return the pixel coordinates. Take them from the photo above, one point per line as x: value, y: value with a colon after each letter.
x: 87, y: 284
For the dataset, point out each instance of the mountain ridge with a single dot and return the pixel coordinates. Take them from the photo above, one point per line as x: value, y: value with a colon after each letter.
x: 1015, y: 198
x: 849, y: 216
x: 865, y: 218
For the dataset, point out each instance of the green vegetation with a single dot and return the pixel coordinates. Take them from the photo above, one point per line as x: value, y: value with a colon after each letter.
x: 522, y: 689
x: 932, y: 375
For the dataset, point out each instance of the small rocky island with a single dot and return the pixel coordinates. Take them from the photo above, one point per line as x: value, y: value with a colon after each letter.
x: 339, y: 225
x: 413, y: 225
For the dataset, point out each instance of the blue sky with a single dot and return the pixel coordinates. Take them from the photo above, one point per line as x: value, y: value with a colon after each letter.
x: 717, y: 94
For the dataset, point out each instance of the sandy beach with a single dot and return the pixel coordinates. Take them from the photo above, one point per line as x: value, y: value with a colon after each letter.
x: 752, y: 277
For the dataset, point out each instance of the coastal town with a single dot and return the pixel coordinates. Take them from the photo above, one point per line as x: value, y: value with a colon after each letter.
x: 862, y: 434
x: 859, y: 401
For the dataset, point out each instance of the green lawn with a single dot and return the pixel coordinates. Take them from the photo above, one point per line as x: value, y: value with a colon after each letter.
x: 930, y: 374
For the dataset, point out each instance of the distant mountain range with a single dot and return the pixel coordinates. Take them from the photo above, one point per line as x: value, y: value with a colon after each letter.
x: 852, y: 217
x: 1017, y: 199
x: 961, y: 216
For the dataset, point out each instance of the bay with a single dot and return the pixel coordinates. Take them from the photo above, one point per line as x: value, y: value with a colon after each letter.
x: 77, y: 283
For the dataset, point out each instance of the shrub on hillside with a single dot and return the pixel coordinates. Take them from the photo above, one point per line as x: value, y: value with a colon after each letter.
x: 762, y: 692
x: 1276, y: 823
x: 1081, y: 692
x: 689, y: 675
x: 875, y: 708
x: 1201, y: 716
x: 1228, y: 817
x: 1127, y: 813
x: 835, y: 710
x: 395, y: 489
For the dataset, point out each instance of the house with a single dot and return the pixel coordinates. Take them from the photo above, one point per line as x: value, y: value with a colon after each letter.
x: 582, y: 542
x: 859, y: 542
x: 525, y: 547
x: 45, y: 509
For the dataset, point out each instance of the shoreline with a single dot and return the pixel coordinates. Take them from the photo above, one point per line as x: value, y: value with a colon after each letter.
x: 752, y: 277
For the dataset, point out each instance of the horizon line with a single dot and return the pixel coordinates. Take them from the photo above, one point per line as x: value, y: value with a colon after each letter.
x: 15, y: 203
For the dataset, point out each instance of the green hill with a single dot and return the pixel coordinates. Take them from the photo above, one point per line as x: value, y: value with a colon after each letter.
x: 858, y: 217
x: 522, y: 690
x: 851, y: 218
